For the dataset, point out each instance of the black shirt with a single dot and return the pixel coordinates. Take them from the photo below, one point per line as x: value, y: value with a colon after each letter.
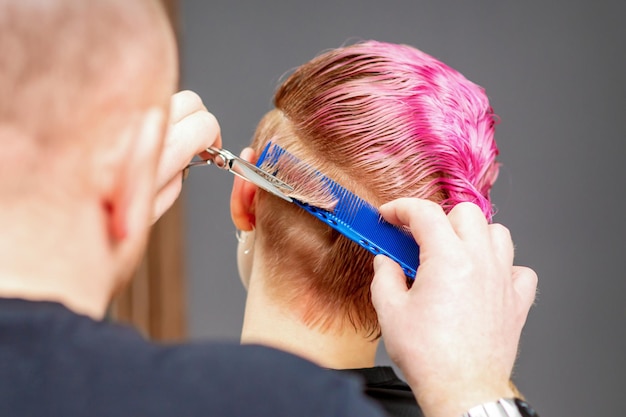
x: 54, y: 362
x: 395, y: 395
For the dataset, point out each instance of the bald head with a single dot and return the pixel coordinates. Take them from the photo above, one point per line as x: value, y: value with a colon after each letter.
x: 71, y: 70
x: 84, y: 91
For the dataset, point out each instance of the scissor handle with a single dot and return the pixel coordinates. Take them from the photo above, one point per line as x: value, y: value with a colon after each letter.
x: 220, y: 158
x: 225, y: 159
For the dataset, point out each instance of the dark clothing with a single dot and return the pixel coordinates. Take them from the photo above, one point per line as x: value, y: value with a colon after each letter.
x: 54, y: 362
x: 395, y: 395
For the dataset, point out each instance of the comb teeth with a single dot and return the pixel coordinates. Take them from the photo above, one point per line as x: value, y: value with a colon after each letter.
x: 351, y: 216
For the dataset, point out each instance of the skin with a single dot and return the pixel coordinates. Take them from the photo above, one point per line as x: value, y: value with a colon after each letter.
x: 90, y: 184
x: 126, y: 208
x: 493, y: 301
x: 337, y: 348
x: 96, y: 219
x: 455, y: 333
x: 191, y: 130
x: 466, y: 286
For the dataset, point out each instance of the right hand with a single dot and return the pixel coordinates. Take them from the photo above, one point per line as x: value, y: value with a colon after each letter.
x: 455, y: 333
x: 191, y: 130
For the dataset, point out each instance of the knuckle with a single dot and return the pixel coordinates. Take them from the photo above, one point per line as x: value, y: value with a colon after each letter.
x: 525, y: 281
x: 532, y: 277
x: 410, y: 210
x: 500, y: 231
x: 208, y: 121
x: 467, y: 208
x: 190, y: 97
x: 467, y: 213
x: 431, y: 205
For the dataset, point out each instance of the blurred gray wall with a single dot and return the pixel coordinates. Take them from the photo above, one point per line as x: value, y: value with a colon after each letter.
x: 554, y: 73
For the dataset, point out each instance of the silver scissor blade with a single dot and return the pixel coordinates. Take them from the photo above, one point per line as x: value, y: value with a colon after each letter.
x: 225, y: 159
x: 260, y: 178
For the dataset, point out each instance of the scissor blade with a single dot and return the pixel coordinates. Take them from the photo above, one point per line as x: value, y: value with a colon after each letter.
x: 225, y: 159
x: 260, y: 178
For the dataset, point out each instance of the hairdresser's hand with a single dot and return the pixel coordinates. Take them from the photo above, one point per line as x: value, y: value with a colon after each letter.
x: 191, y: 130
x: 455, y: 333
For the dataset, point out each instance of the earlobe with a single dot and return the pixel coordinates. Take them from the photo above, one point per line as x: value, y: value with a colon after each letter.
x: 117, y: 222
x: 242, y: 198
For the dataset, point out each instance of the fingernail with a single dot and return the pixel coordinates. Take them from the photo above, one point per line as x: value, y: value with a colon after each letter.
x: 378, y: 262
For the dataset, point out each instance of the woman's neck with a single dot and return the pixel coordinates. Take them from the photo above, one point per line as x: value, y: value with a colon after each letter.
x: 270, y: 323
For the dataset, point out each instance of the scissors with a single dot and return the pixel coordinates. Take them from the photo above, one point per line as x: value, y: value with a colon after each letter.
x: 224, y: 159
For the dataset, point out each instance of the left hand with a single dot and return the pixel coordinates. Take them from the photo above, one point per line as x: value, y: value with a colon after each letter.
x: 191, y: 130
x: 455, y: 333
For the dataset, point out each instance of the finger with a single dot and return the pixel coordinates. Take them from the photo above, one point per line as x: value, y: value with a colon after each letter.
x: 388, y: 284
x: 469, y: 222
x: 428, y: 222
x: 200, y: 128
x: 525, y: 285
x: 501, y: 243
x: 183, y: 104
x: 248, y: 154
x: 166, y: 197
x: 186, y: 139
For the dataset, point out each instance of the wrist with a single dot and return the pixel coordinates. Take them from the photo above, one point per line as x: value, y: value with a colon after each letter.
x: 454, y: 401
x: 504, y: 407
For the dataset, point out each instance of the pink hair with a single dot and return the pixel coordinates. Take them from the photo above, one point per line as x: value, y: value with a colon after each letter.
x: 385, y: 121
x: 402, y: 108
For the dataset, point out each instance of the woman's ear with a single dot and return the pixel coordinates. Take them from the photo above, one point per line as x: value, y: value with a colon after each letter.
x: 242, y: 197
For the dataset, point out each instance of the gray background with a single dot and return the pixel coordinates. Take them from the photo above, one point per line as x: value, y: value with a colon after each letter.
x: 553, y: 71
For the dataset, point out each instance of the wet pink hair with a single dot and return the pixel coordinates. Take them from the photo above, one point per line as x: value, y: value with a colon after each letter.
x: 385, y: 121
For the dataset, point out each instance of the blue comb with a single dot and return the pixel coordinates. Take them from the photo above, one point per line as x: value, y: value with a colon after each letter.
x: 352, y: 216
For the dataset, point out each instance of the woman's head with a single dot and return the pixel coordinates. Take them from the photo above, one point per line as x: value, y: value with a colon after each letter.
x: 384, y: 121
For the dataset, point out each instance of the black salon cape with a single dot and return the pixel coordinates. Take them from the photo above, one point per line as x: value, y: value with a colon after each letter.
x: 382, y: 385
x: 56, y: 363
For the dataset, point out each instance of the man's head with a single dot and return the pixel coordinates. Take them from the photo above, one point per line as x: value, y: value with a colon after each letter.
x: 84, y: 90
x: 384, y: 121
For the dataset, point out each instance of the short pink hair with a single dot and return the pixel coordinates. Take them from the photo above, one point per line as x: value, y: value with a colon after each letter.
x: 385, y: 121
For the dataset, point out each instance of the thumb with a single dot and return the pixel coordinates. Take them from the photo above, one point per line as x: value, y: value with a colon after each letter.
x: 388, y: 283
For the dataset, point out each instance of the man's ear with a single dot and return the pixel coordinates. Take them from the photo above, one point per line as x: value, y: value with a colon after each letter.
x: 242, y: 197
x: 128, y: 202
